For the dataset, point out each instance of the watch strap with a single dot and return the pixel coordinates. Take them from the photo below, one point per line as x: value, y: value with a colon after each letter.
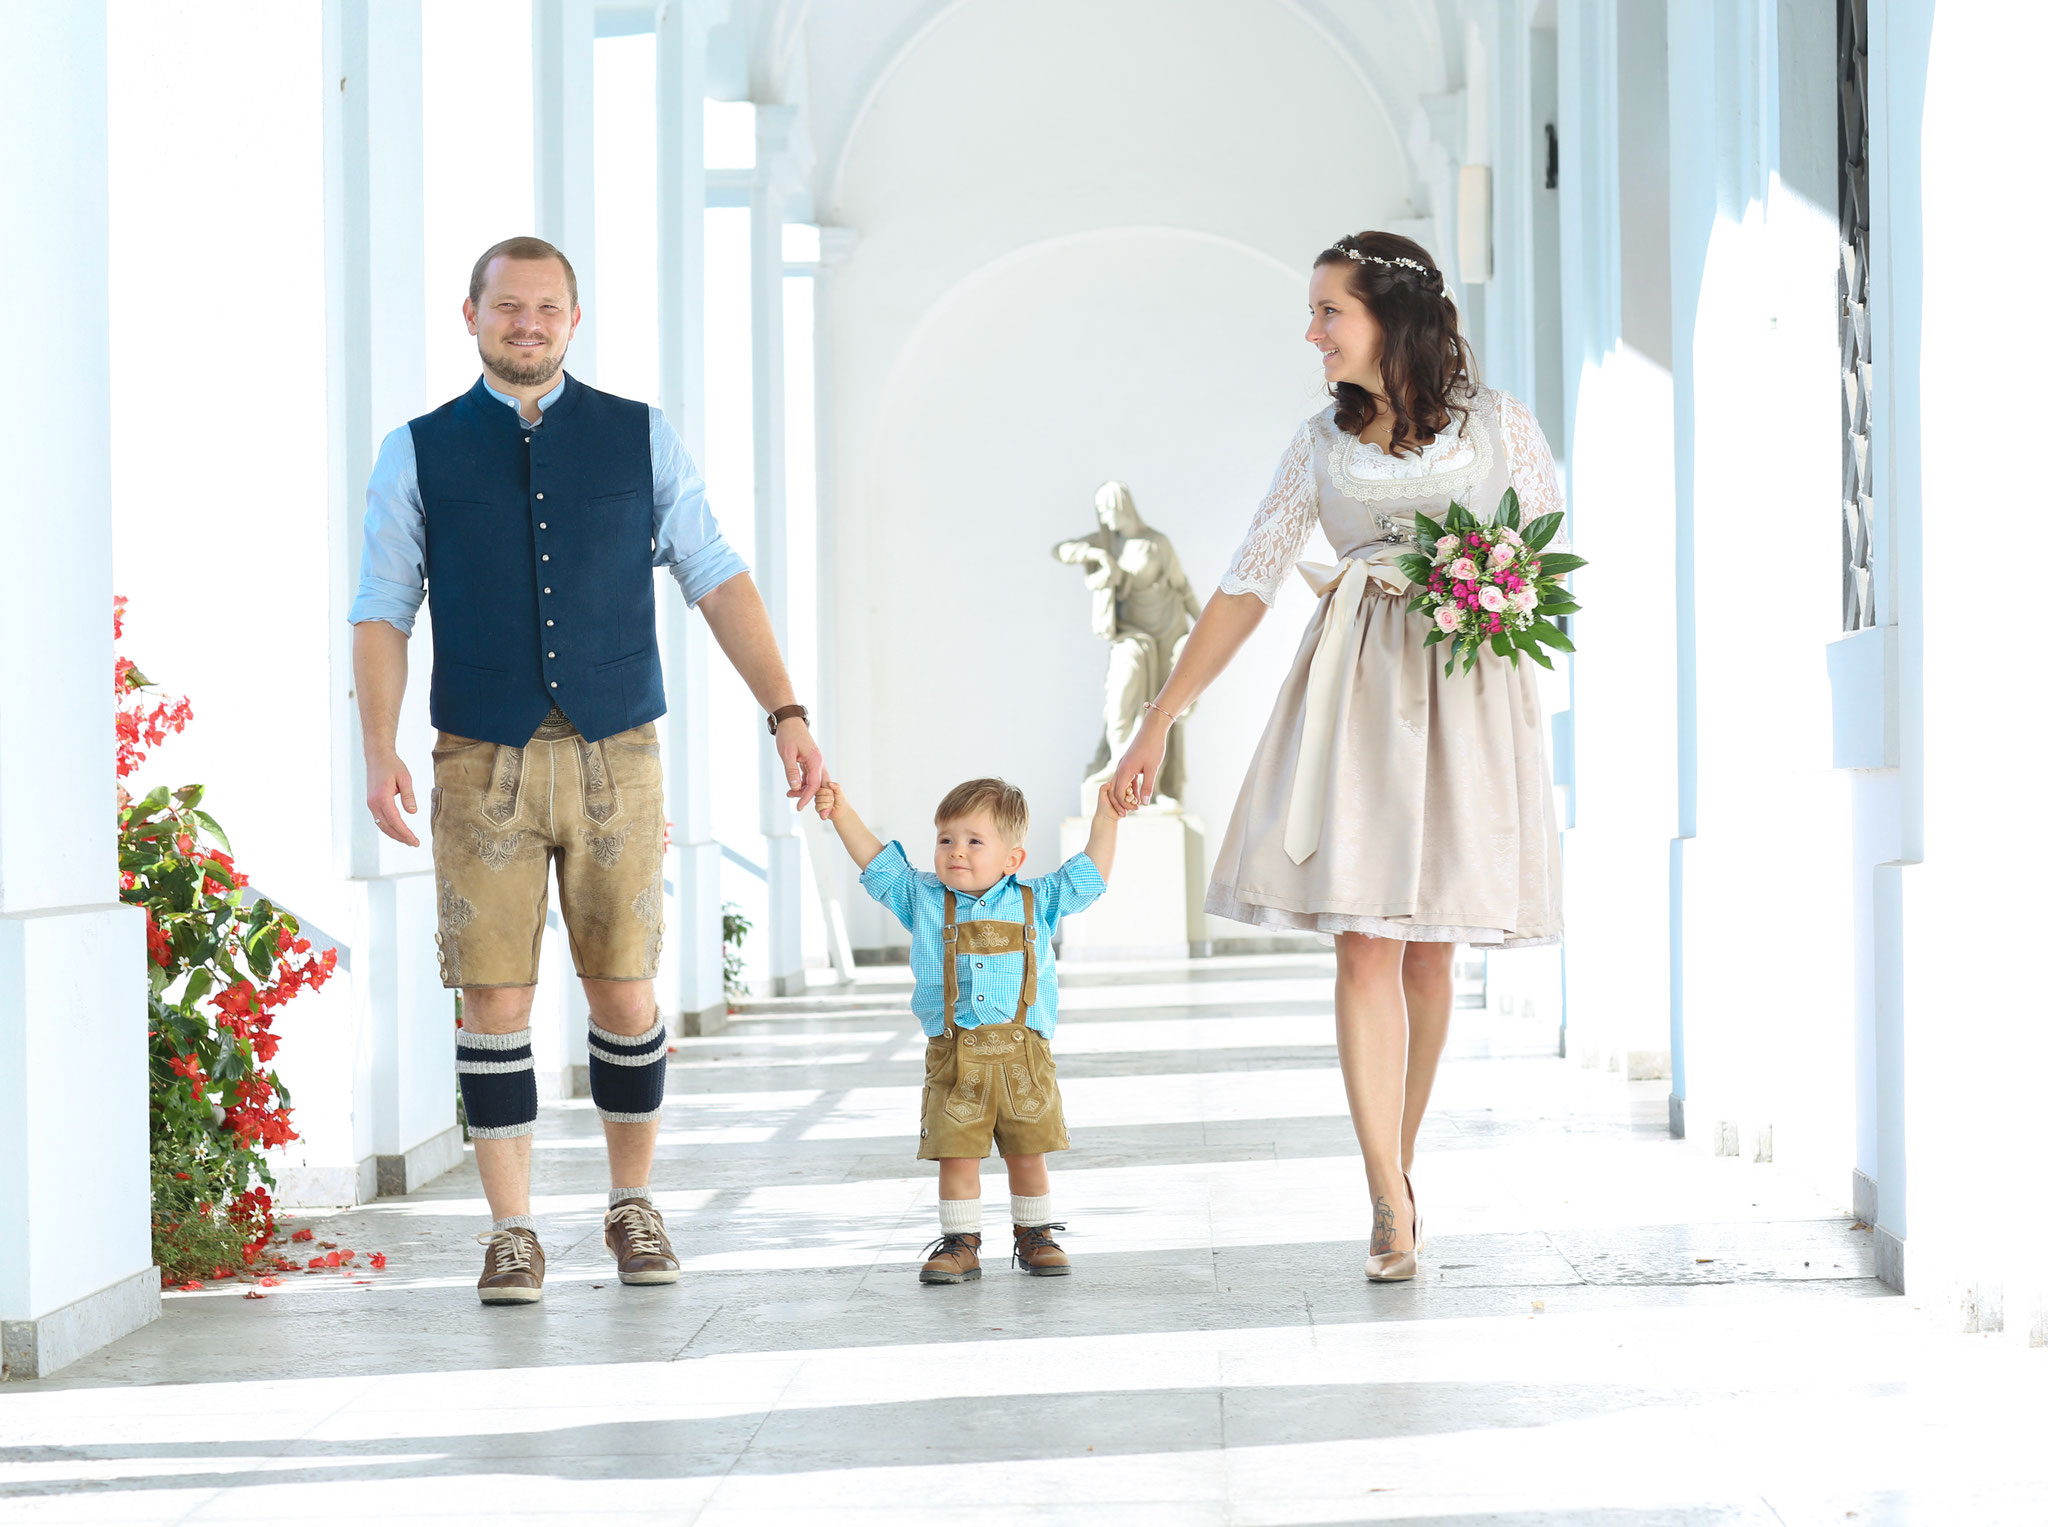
x: 787, y: 713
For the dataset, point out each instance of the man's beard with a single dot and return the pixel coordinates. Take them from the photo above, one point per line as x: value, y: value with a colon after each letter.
x: 531, y: 373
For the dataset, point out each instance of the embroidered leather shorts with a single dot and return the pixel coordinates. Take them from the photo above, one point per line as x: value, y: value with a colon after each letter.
x: 502, y: 816
x: 997, y: 1081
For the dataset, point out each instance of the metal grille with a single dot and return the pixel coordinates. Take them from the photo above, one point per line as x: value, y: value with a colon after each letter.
x: 1859, y: 605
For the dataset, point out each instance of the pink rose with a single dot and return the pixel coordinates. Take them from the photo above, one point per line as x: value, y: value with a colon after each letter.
x: 1464, y: 569
x: 1447, y: 618
x: 1445, y: 545
x: 1508, y: 534
x: 1501, y: 555
x: 1491, y: 598
x: 1525, y: 601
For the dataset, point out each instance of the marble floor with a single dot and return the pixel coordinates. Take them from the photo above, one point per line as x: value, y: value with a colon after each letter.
x: 1614, y: 1328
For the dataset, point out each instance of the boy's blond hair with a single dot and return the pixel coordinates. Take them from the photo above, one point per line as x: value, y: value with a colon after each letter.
x: 1002, y: 800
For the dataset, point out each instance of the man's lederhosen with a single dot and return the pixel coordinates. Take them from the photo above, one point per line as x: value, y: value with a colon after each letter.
x: 996, y: 1081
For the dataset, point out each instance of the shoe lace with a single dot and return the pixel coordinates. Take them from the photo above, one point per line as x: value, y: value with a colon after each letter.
x: 953, y: 1241
x: 513, y: 1250
x: 642, y: 1228
x: 1030, y: 1238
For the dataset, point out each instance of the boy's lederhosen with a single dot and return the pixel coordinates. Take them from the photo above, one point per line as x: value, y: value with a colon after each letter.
x: 996, y: 1081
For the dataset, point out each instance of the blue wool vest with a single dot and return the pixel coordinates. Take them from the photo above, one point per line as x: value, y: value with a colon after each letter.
x: 540, y: 553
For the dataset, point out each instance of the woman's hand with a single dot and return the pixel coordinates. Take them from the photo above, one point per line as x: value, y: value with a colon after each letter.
x: 1137, y: 772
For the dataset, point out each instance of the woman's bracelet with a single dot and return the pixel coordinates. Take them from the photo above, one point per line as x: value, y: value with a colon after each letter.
x: 1169, y: 715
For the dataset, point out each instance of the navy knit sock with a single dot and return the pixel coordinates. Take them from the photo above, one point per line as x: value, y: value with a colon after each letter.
x: 495, y: 1072
x: 629, y: 1073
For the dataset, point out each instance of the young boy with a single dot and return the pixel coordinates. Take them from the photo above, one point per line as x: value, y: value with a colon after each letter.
x: 988, y: 996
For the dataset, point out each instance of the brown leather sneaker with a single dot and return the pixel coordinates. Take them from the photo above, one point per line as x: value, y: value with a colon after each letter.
x: 634, y: 1233
x: 957, y: 1259
x: 513, y: 1267
x: 1038, y: 1253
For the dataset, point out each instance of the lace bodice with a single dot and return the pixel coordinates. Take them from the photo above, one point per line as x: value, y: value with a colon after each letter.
x: 1355, y: 489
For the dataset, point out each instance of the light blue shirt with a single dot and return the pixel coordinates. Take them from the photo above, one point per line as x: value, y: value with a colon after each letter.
x: 990, y: 984
x: 686, y: 537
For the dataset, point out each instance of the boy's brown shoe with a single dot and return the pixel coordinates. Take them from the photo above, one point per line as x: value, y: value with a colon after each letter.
x: 636, y: 1237
x: 1038, y: 1253
x: 513, y: 1267
x: 957, y: 1259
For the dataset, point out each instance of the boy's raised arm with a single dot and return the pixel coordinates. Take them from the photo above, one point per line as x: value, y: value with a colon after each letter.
x: 833, y: 807
x: 1102, y: 833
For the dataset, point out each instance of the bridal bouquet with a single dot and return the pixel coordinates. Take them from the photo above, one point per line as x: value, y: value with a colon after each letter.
x: 1492, y: 584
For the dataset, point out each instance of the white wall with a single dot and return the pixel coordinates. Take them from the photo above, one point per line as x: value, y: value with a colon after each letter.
x: 1084, y: 236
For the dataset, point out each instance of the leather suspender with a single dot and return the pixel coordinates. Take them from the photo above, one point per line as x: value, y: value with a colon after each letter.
x: 993, y: 942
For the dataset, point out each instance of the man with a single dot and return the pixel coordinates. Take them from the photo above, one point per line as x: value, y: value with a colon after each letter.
x: 528, y: 506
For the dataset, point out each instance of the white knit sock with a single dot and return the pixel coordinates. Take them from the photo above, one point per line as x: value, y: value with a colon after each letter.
x: 960, y: 1216
x: 1031, y: 1211
x: 620, y: 1195
x: 513, y: 1222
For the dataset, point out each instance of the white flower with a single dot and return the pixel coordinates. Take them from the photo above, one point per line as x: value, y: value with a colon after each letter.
x: 1447, y: 618
x: 1491, y: 598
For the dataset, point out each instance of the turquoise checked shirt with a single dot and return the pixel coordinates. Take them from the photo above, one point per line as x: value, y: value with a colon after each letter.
x: 990, y: 984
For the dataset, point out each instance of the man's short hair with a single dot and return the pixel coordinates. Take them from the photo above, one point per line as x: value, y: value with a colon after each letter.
x: 1002, y: 800
x: 525, y: 247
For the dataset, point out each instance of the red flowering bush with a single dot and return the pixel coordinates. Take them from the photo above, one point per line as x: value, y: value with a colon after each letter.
x: 219, y: 969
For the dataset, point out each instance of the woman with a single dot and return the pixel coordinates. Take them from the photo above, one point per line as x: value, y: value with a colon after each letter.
x: 1400, y: 810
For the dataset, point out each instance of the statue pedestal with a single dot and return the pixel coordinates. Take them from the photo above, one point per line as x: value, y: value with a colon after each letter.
x: 1153, y: 907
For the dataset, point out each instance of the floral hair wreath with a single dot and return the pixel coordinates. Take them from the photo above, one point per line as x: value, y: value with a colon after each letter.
x: 1415, y: 265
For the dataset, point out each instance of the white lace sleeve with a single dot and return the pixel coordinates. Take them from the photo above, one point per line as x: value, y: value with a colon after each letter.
x: 1281, y: 527
x: 1532, y: 472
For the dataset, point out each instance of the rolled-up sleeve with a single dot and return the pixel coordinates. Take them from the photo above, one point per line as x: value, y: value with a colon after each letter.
x: 687, y: 540
x: 394, y: 575
x: 890, y: 880
x: 1071, y: 888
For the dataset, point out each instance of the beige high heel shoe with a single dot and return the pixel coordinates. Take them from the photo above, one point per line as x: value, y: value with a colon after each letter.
x: 1399, y: 1266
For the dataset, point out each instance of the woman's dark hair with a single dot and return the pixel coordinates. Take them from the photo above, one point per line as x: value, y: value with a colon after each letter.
x: 1424, y: 361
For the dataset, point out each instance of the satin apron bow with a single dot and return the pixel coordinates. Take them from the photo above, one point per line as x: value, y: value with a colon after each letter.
x: 1347, y: 583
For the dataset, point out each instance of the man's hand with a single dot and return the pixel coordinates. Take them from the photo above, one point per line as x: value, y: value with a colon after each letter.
x: 389, y: 777
x: 803, y: 761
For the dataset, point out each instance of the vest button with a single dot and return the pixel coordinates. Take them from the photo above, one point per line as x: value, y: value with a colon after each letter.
x: 551, y: 622
x: 543, y: 556
x: 540, y: 495
x: 553, y: 685
x: 551, y: 654
x: 543, y: 524
x: 547, y: 591
x: 529, y: 440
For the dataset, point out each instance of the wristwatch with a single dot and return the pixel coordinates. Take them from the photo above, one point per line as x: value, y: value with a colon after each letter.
x: 787, y: 713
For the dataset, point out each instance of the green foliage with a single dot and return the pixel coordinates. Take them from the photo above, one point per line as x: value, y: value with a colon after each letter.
x: 736, y: 930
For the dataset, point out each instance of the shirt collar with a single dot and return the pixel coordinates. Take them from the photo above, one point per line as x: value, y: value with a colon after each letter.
x: 513, y: 403
x: 991, y: 893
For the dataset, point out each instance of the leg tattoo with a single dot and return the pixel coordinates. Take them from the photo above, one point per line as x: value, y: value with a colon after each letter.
x: 1382, y: 1226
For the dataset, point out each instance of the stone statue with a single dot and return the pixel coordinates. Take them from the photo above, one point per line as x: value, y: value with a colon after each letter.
x: 1143, y: 608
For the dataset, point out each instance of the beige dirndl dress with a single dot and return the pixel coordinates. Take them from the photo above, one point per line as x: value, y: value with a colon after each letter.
x: 1385, y: 797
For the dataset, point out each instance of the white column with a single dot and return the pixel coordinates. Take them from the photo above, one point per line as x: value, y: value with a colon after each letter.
x: 772, y: 126
x: 379, y: 1115
x: 565, y: 152
x: 692, y: 979
x: 74, y: 1202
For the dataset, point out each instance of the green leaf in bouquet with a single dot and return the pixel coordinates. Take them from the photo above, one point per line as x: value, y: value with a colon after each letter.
x: 1459, y: 521
x: 214, y: 828
x: 1436, y: 634
x: 1539, y: 531
x: 1415, y: 565
x: 1428, y: 529
x: 1557, y: 607
x: 1500, y: 644
x: 1510, y: 511
x: 1543, y: 631
x: 1557, y: 563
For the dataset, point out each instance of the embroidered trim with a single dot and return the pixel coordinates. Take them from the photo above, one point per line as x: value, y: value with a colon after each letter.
x: 1450, y: 465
